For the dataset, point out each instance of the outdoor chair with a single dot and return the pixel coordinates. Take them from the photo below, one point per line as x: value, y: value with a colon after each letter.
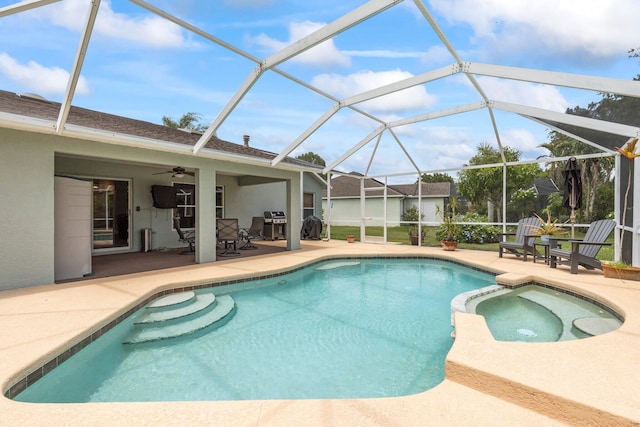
x: 228, y: 235
x: 583, y: 252
x: 524, y: 238
x: 253, y: 232
x: 185, y: 237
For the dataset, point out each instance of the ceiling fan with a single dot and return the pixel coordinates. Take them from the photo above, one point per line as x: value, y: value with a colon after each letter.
x: 177, y: 172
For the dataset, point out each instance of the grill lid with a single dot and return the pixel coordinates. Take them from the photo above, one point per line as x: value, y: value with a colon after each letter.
x: 275, y: 216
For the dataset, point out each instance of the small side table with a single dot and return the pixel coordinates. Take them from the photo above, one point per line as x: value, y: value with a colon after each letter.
x: 545, y: 246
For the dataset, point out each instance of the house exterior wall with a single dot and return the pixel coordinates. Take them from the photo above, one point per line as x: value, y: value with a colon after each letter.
x: 29, y: 162
x: 429, y: 206
x: 27, y: 210
x: 311, y: 185
x: 346, y: 211
x: 253, y: 200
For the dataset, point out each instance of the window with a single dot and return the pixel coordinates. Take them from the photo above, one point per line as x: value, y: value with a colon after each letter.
x: 219, y: 201
x: 185, y: 205
x: 309, y: 208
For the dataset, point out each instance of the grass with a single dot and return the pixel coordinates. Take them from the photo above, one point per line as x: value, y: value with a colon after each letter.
x: 400, y: 234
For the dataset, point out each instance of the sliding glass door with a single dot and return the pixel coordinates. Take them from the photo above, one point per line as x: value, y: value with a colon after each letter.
x: 111, y: 219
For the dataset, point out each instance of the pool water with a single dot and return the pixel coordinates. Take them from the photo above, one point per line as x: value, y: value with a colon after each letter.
x: 338, y: 329
x: 537, y: 314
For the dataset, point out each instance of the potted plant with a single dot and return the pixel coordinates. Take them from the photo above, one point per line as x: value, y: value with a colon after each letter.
x: 413, y: 234
x: 448, y: 232
x: 547, y: 228
x: 620, y: 268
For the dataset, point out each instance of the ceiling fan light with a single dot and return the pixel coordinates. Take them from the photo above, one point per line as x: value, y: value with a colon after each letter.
x: 178, y: 175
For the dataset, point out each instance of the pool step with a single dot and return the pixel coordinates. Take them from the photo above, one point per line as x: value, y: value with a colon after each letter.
x: 566, y: 311
x: 171, y: 301
x: 204, y: 310
x: 172, y: 312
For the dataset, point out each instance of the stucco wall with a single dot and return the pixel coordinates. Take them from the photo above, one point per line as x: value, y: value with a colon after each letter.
x: 311, y: 184
x: 253, y: 200
x: 428, y: 208
x: 26, y: 211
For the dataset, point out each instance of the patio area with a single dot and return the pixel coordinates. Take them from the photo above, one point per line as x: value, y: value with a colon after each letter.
x: 160, y: 259
x: 592, y: 381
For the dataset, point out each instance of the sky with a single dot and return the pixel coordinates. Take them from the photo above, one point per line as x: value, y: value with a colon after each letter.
x: 142, y: 66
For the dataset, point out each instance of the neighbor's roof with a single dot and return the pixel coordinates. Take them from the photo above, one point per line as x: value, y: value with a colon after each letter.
x: 545, y: 186
x: 429, y: 189
x: 43, y: 109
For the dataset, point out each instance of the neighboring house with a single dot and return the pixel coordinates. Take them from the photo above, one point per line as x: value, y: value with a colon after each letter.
x: 92, y: 180
x: 345, y: 206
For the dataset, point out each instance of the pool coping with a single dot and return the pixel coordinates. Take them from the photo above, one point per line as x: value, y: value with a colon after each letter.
x: 499, y: 381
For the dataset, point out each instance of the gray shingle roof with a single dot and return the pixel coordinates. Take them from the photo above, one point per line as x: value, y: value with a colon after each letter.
x: 545, y: 186
x: 429, y: 189
x: 29, y: 106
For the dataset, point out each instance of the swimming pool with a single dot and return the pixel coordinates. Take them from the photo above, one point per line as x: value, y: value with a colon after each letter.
x: 369, y: 328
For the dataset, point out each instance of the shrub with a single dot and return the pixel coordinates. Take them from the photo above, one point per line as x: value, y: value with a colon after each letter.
x: 477, y: 233
x: 411, y: 215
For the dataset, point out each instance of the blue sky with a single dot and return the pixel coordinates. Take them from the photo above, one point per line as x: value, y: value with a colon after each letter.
x: 141, y: 66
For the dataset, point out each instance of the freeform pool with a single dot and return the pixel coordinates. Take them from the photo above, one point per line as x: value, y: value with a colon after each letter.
x: 338, y: 329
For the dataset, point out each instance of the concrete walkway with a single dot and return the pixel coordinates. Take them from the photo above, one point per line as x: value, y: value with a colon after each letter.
x: 594, y: 381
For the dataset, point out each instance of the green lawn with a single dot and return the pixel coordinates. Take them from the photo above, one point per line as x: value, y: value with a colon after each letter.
x: 400, y: 234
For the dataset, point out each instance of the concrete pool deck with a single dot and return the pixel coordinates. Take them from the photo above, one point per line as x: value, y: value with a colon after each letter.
x: 594, y: 381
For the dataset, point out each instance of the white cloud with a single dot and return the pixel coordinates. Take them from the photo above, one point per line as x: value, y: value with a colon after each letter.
x: 518, y: 92
x: 437, y: 54
x: 323, y: 55
x: 443, y: 147
x: 151, y: 31
x: 38, y: 78
x: 524, y: 141
x: 415, y: 98
x: 591, y: 28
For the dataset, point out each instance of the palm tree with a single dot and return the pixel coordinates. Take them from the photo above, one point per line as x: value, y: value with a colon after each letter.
x: 187, y: 121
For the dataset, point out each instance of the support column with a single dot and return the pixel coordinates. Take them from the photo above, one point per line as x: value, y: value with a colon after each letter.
x: 294, y: 215
x: 205, y: 215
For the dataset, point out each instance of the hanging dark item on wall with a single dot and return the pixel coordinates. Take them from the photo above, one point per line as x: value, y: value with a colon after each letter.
x: 164, y: 196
